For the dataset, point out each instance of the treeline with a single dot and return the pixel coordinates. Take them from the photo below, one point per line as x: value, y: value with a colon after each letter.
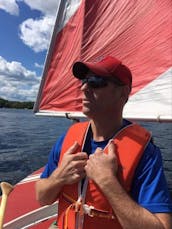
x: 15, y: 104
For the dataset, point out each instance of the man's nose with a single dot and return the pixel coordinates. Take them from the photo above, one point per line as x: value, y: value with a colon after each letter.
x: 84, y: 86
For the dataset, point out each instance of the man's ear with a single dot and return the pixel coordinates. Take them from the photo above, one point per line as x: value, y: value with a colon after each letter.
x: 125, y: 92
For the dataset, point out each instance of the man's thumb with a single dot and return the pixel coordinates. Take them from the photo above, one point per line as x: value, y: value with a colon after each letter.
x: 73, y: 148
x: 111, y: 148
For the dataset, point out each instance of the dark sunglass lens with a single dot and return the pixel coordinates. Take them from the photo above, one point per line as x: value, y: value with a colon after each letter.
x: 95, y: 82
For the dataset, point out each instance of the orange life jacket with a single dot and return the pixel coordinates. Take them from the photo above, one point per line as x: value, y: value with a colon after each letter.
x: 89, y: 208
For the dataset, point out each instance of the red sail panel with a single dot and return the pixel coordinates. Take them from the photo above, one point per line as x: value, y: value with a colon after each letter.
x: 137, y: 32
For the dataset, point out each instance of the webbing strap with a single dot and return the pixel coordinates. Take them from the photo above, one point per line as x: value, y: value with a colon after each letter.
x: 78, y: 207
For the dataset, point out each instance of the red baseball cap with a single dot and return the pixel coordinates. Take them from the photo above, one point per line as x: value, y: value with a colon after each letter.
x: 107, y: 67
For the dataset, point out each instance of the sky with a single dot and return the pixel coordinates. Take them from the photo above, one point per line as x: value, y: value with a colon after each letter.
x: 26, y: 27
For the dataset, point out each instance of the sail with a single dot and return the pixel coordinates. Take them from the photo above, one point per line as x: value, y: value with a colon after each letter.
x: 137, y: 32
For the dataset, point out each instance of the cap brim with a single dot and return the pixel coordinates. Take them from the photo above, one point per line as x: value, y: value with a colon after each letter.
x: 80, y: 69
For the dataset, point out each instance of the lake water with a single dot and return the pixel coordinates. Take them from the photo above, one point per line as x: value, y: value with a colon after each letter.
x: 25, y: 142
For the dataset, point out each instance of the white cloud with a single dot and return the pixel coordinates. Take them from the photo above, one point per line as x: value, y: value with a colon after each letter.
x: 39, y: 65
x: 17, y: 83
x: 46, y: 7
x: 10, y: 7
x: 37, y: 33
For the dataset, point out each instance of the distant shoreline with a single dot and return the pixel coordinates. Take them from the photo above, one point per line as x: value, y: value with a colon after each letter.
x: 16, y: 104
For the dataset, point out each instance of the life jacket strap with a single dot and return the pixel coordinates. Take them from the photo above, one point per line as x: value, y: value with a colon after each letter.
x: 80, y: 208
x: 66, y: 216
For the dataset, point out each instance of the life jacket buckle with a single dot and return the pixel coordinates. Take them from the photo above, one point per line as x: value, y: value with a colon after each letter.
x: 88, y: 210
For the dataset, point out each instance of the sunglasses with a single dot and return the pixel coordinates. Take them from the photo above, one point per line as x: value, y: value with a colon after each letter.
x: 99, y: 81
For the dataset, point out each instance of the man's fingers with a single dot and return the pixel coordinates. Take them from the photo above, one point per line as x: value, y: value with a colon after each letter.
x: 79, y: 176
x: 76, y: 155
x: 98, y: 150
x: 79, y: 165
x: 80, y: 156
x: 111, y: 149
x: 73, y: 148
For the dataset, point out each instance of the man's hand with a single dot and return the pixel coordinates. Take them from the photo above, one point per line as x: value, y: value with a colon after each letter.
x: 72, y: 166
x: 100, y: 165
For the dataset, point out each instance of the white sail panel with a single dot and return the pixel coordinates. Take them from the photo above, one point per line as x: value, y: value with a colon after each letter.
x: 153, y: 102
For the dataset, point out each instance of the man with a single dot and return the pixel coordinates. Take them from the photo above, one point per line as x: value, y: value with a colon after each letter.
x: 109, y: 173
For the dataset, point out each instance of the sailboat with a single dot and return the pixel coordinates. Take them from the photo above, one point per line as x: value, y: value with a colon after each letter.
x: 137, y: 32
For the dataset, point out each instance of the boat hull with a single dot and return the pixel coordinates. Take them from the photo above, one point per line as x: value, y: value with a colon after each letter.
x: 24, y: 211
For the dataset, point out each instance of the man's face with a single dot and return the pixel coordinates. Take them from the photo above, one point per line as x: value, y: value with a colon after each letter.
x: 97, y: 101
